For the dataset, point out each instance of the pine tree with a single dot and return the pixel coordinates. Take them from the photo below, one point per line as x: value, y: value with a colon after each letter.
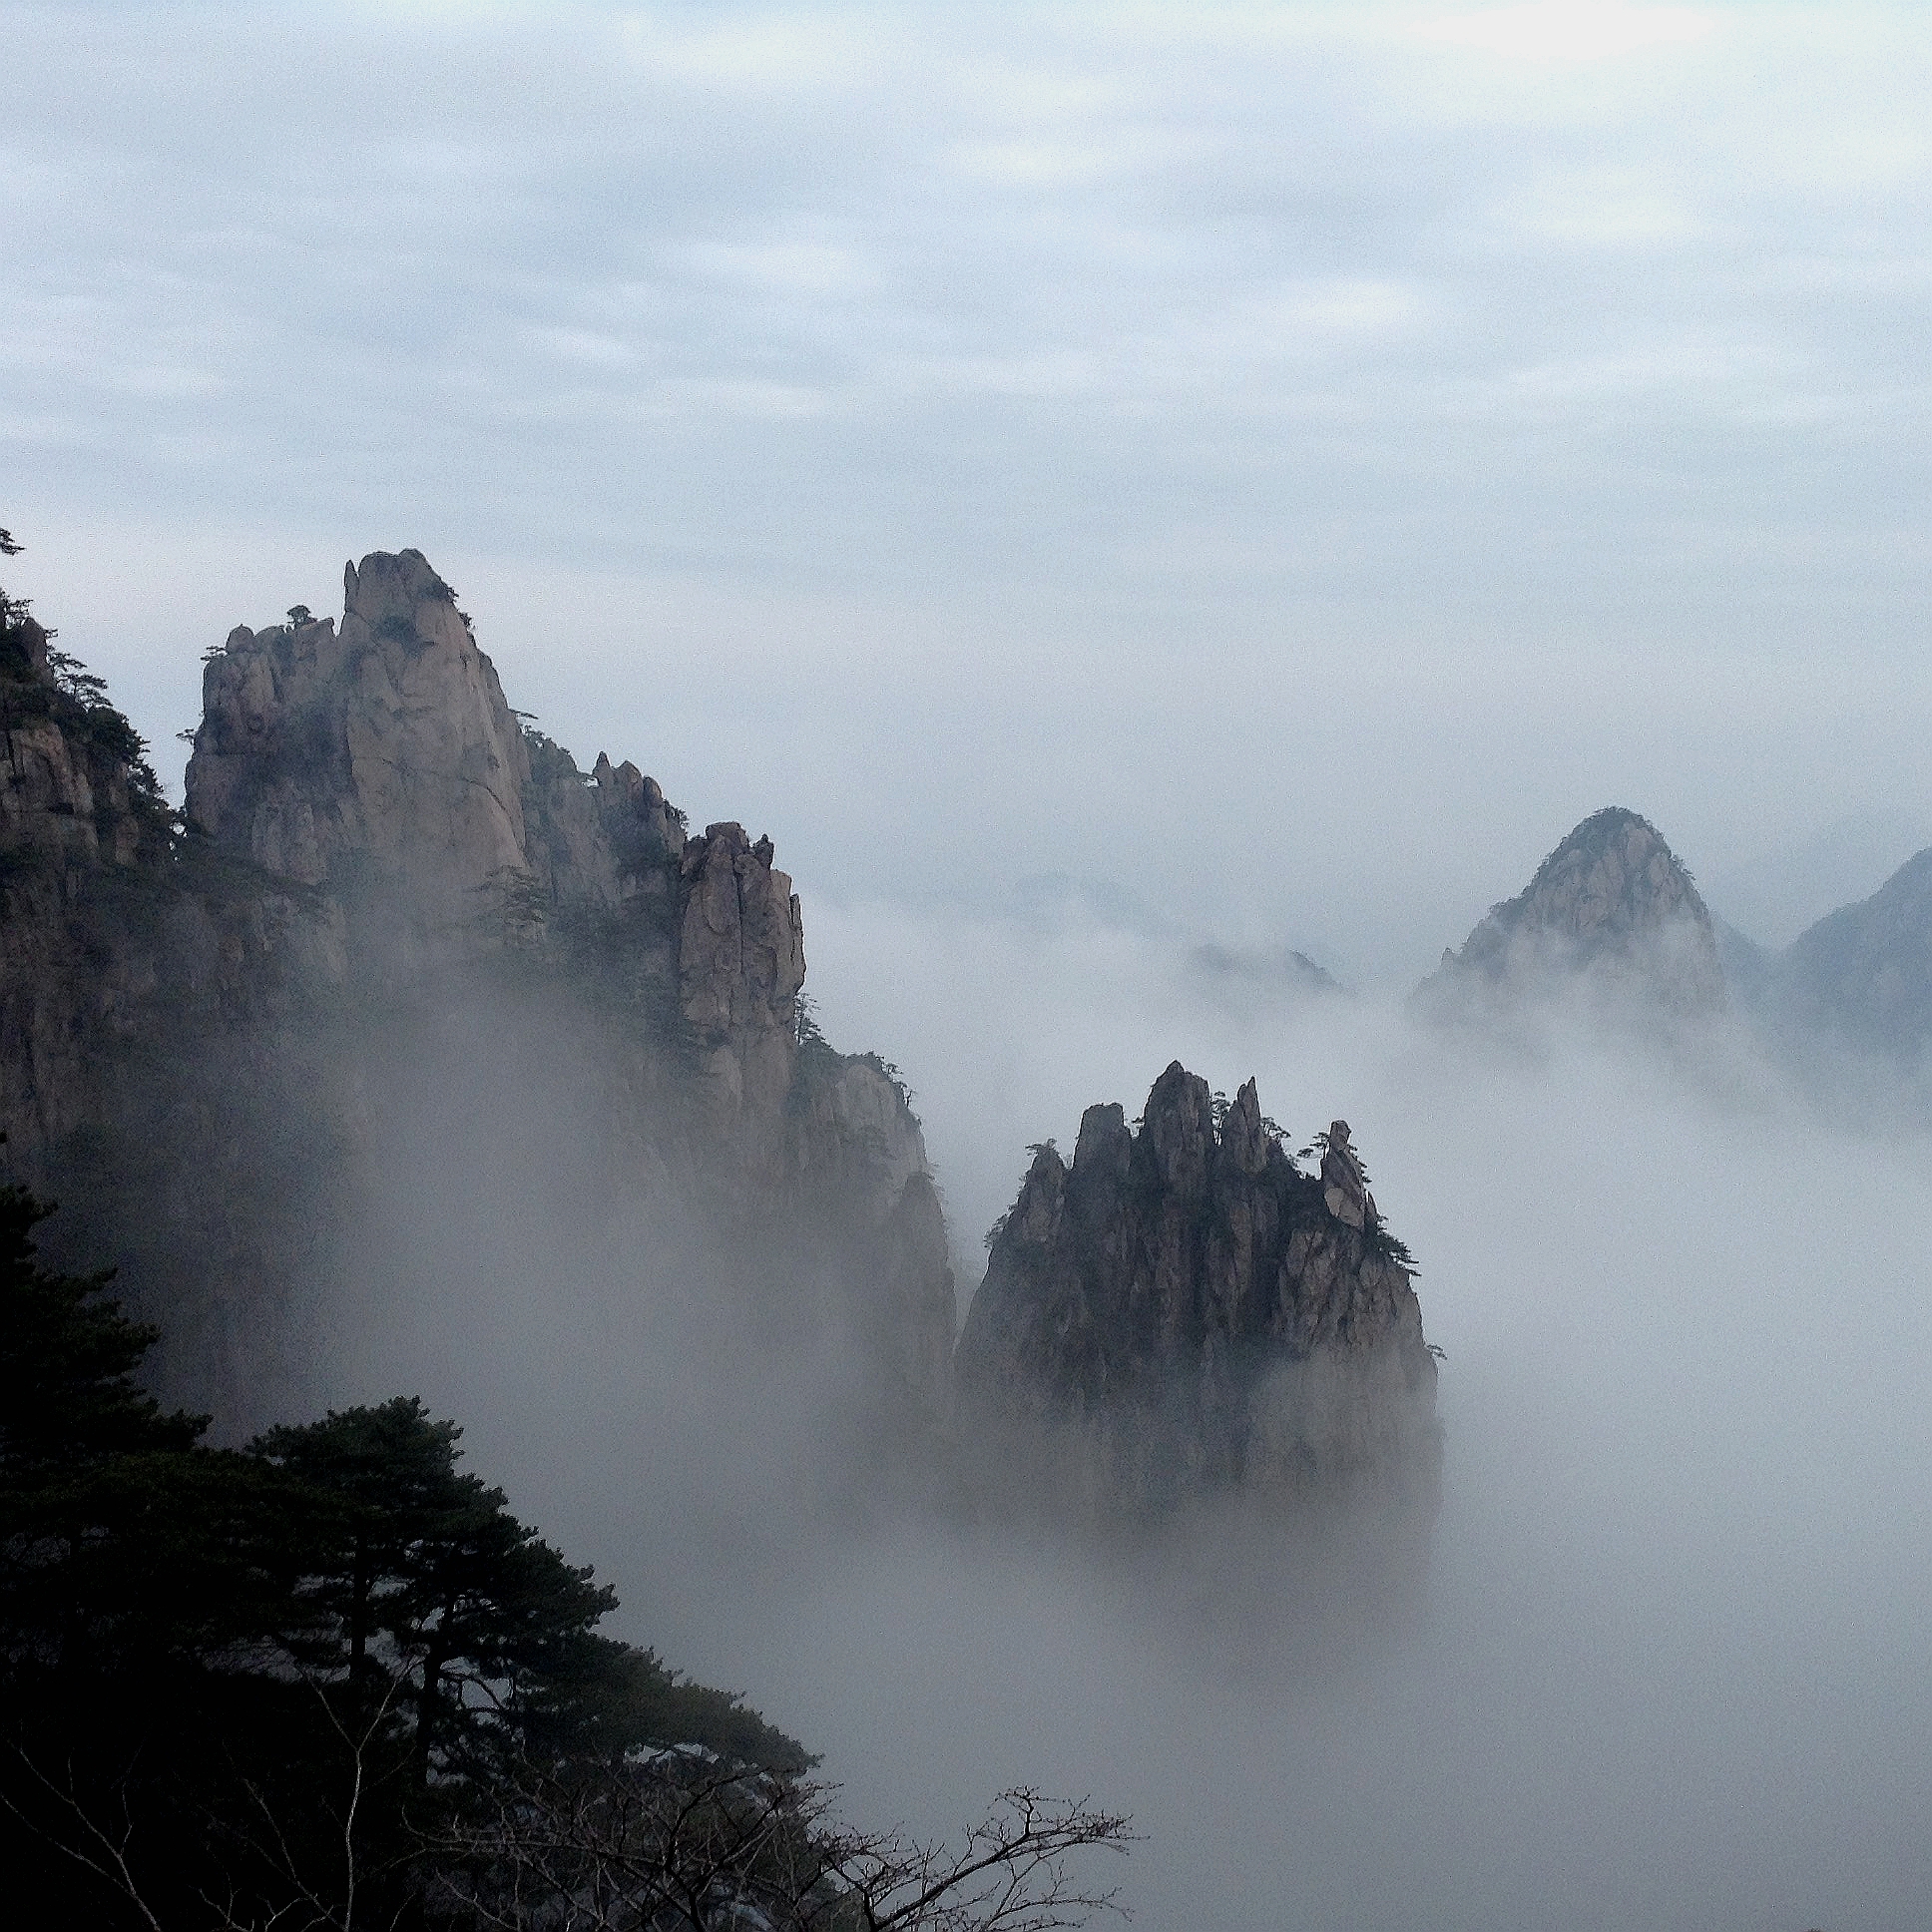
x: 425, y: 1570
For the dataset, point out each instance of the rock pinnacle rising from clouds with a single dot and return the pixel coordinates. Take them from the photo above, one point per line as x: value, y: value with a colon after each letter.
x: 1184, y: 1312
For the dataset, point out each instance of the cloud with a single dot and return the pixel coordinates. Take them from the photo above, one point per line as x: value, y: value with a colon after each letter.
x: 1221, y: 359
x: 1666, y: 1667
x: 1564, y: 31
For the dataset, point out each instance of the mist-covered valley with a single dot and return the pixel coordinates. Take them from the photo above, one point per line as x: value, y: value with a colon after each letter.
x: 1138, y: 1003
x: 410, y: 1059
x: 1667, y: 1663
x: 1668, y: 1666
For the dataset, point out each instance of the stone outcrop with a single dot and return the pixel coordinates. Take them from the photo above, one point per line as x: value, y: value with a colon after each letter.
x: 82, y: 826
x: 1344, y: 1187
x: 77, y: 793
x: 147, y: 1052
x: 1184, y: 1312
x: 381, y: 765
x: 740, y: 964
x: 1612, y: 912
x: 377, y: 863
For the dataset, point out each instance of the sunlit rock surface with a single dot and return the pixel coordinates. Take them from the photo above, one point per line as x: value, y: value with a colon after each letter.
x: 1612, y: 912
x: 1183, y: 1313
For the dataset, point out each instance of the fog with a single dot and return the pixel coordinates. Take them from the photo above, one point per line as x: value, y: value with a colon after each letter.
x: 1271, y: 466
x: 1668, y: 1668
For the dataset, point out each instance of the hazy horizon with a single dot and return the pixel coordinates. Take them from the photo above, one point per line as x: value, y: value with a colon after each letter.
x: 1090, y: 481
x: 1357, y: 442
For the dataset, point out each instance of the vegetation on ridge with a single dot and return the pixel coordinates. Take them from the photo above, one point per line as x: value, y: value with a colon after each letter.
x: 37, y: 681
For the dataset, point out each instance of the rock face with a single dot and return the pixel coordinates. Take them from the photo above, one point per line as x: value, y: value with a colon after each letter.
x: 1610, y: 911
x: 382, y: 876
x: 382, y: 765
x: 82, y: 828
x: 387, y: 745
x: 1184, y: 1312
x: 740, y: 964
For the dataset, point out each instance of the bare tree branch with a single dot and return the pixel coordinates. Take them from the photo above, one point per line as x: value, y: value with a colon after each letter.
x: 676, y: 1843
x: 109, y: 1859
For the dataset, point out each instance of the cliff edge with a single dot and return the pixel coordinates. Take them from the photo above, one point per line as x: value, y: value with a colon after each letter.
x: 389, y: 900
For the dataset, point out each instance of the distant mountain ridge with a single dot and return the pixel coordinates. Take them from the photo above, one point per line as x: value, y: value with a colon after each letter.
x: 1863, y: 974
x: 1613, y: 913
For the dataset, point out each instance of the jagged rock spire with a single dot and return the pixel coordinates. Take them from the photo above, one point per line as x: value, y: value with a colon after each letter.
x: 385, y: 745
x: 1185, y: 1311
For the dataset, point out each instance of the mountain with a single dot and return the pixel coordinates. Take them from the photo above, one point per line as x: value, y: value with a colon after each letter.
x: 1612, y: 912
x: 1184, y: 1312
x: 1861, y: 978
x: 1280, y: 972
x: 404, y: 994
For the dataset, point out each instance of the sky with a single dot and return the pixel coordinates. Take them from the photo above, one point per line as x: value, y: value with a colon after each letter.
x: 1089, y: 480
x: 1283, y: 465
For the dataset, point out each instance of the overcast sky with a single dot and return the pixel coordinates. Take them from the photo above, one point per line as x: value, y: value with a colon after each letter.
x: 1289, y: 462
x: 1281, y: 466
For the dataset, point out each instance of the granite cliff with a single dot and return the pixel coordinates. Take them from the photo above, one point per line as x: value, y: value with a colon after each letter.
x: 1184, y: 1312
x: 380, y: 765
x: 384, y: 890
x: 1611, y: 914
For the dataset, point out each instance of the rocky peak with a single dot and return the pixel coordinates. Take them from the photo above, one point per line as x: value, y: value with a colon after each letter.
x: 384, y: 745
x: 1612, y: 903
x: 1177, y: 1139
x: 1614, y: 873
x: 1344, y: 1187
x: 628, y: 798
x: 1185, y: 1311
x: 1243, y: 1139
x: 1103, y: 1152
x: 740, y: 964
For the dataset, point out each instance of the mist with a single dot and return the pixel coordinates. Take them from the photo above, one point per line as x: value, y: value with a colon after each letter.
x: 1254, y: 474
x: 1668, y: 1667
x: 969, y: 443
